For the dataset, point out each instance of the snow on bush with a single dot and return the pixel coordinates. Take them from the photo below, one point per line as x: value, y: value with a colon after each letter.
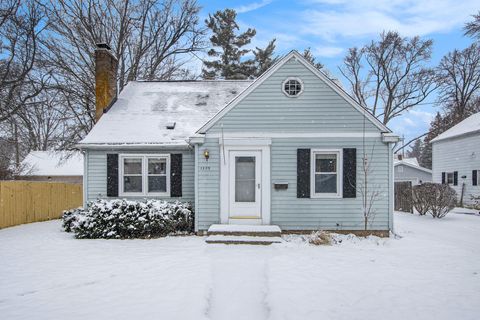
x: 319, y: 238
x: 438, y: 199
x: 123, y: 219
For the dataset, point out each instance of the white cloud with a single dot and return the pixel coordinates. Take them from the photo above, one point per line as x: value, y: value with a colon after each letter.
x: 326, y: 51
x: 331, y: 19
x: 252, y: 6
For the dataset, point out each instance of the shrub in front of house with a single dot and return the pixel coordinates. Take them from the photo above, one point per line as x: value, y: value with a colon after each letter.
x: 435, y: 198
x: 124, y: 219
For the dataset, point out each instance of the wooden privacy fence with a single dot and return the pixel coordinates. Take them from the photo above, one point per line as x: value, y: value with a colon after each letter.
x: 29, y: 201
x: 403, y: 196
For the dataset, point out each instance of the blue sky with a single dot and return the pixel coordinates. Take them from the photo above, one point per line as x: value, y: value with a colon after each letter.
x: 330, y: 27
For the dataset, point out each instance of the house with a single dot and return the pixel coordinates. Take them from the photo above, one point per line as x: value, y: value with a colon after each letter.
x: 58, y: 166
x: 285, y: 149
x: 456, y: 158
x: 408, y: 170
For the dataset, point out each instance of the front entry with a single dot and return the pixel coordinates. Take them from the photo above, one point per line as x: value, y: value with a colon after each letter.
x: 245, y: 186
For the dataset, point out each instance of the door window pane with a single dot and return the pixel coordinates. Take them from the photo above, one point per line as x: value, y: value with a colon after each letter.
x: 244, y: 179
x: 132, y: 184
x: 157, y: 184
x: 157, y: 166
x: 132, y: 166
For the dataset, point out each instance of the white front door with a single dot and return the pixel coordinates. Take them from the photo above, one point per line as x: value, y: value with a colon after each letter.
x: 245, y: 189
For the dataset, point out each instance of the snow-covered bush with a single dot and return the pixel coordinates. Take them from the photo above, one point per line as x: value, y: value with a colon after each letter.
x: 320, y: 238
x: 123, y: 219
x: 435, y: 198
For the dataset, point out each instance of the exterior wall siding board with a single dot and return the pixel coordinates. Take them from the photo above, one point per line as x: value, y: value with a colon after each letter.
x: 97, y: 174
x: 460, y: 154
x: 288, y: 211
x: 411, y: 174
x: 317, y: 109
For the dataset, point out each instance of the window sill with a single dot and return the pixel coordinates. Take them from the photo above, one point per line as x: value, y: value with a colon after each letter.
x: 138, y: 195
x: 325, y: 196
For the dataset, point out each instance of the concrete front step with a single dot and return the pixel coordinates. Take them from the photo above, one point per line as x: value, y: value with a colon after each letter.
x: 244, y: 230
x: 251, y: 240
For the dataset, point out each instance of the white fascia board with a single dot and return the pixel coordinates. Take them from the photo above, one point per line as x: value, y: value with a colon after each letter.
x: 196, y: 140
x: 390, y: 137
x: 260, y: 135
x: 132, y: 146
x: 274, y: 68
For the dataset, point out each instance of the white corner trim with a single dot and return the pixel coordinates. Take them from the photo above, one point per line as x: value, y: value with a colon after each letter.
x: 339, y: 153
x: 273, y: 69
x: 196, y: 188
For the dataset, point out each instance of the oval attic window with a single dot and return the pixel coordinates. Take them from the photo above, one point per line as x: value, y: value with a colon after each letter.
x: 292, y: 87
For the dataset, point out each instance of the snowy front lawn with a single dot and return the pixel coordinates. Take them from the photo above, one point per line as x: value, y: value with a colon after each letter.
x: 432, y: 272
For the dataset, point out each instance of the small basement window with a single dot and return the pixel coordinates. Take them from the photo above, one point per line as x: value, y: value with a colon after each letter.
x: 171, y: 125
x: 292, y: 87
x: 326, y: 173
x: 142, y: 175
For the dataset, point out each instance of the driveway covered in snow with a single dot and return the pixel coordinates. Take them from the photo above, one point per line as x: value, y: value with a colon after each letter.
x: 432, y: 272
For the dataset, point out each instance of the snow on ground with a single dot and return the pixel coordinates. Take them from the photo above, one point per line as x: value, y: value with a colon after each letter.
x: 430, y: 271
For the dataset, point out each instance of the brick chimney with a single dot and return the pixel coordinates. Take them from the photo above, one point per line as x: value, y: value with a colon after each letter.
x: 105, y: 78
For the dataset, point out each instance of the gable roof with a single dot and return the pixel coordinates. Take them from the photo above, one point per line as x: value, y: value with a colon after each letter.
x: 293, y: 54
x: 143, y: 111
x: 469, y: 125
x: 53, y: 163
x: 410, y: 162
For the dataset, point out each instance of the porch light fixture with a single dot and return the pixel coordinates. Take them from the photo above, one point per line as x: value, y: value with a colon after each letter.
x: 206, y: 154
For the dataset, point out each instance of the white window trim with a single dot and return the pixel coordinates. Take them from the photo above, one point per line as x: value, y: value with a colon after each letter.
x: 296, y: 79
x: 339, y: 153
x: 145, y: 158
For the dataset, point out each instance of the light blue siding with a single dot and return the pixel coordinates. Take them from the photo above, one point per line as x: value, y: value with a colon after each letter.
x: 96, y: 186
x: 208, y: 185
x: 292, y: 213
x: 317, y: 109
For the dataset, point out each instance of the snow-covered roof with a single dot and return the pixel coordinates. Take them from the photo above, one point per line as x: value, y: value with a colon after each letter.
x: 53, y: 163
x: 410, y: 162
x: 469, y: 125
x: 144, y: 109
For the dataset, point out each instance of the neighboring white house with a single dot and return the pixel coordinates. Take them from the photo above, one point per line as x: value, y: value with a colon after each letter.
x: 408, y: 169
x: 456, y: 158
x: 59, y: 166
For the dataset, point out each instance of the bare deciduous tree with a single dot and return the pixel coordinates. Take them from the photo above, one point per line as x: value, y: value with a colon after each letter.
x: 149, y: 37
x: 21, y: 23
x: 472, y: 28
x: 389, y: 76
x: 459, y: 82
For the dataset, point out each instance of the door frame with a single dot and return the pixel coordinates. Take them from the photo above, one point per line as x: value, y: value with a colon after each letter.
x: 227, y: 145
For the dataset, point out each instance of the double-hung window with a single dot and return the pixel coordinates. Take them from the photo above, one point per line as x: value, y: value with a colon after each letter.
x: 143, y: 175
x: 325, y: 177
x: 449, y: 177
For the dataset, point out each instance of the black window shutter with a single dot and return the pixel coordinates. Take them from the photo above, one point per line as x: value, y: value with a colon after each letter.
x: 112, y: 175
x: 303, y: 173
x: 474, y: 178
x: 443, y: 177
x: 349, y: 173
x: 455, y: 178
x: 176, y: 175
